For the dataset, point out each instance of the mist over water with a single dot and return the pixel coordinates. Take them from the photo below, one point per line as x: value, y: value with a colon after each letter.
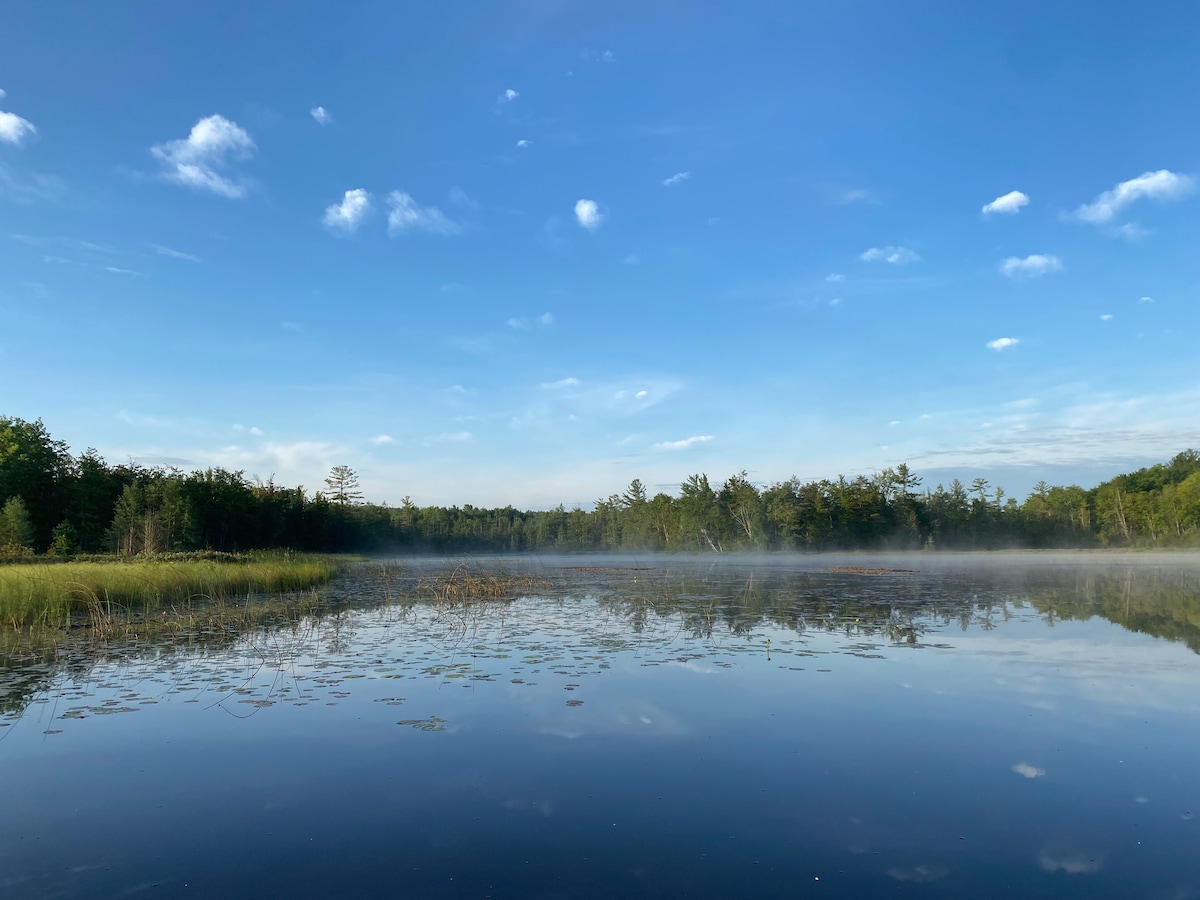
x: 854, y: 725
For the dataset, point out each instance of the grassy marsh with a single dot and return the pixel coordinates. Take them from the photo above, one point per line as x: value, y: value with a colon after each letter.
x: 54, y: 594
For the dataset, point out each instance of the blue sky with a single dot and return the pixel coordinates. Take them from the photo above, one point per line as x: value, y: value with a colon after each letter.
x: 527, y: 253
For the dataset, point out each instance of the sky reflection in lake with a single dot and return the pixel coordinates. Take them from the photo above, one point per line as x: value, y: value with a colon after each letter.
x: 670, y: 728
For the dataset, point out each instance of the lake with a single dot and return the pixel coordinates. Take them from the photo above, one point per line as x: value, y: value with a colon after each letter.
x: 922, y: 725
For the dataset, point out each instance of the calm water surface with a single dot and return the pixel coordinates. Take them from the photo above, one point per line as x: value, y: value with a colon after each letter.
x: 978, y: 726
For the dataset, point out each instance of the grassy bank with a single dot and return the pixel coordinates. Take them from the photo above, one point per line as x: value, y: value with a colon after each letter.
x: 53, y: 594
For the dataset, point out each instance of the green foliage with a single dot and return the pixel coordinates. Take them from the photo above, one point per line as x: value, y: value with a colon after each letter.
x: 88, y: 506
x: 16, y: 529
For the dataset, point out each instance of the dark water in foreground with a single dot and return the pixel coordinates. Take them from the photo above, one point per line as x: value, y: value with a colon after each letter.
x: 1021, y: 727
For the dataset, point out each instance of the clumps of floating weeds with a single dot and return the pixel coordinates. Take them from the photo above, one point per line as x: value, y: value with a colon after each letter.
x: 466, y: 584
x: 867, y: 570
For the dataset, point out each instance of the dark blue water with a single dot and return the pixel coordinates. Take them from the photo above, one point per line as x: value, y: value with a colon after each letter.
x: 674, y: 730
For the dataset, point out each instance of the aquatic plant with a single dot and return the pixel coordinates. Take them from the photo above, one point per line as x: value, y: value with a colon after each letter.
x: 98, y: 593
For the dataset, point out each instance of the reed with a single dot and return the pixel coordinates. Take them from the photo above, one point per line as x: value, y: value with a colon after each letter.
x: 56, y: 594
x: 465, y: 584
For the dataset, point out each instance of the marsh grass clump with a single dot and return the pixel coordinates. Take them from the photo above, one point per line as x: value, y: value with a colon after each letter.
x: 465, y: 584
x: 101, y: 594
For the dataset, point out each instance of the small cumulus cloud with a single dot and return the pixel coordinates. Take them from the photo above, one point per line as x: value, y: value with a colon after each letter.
x: 321, y: 115
x: 676, y: 178
x: 897, y: 256
x: 524, y: 144
x: 345, y: 217
x: 201, y: 161
x: 1002, y: 343
x: 507, y: 97
x: 1145, y: 300
x: 14, y: 129
x: 117, y: 270
x: 456, y: 437
x: 382, y: 439
x: 893, y: 423
x: 1009, y: 204
x: 836, y: 301
x: 545, y: 320
x: 1163, y: 185
x: 560, y: 384
x: 587, y: 213
x: 1033, y: 266
x: 1106, y: 317
x: 834, y: 277
x: 641, y: 395
x: 685, y: 443
x: 407, y: 215
x: 1025, y: 770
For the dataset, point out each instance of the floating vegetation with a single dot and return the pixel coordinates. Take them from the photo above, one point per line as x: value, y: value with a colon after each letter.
x: 467, y: 583
x: 867, y: 570
x: 433, y: 723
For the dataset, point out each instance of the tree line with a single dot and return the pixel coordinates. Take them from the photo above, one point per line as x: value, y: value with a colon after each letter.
x: 59, y: 504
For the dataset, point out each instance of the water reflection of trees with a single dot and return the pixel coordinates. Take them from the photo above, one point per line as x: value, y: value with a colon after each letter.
x: 702, y: 603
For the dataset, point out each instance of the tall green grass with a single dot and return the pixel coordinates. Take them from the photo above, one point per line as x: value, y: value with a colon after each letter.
x: 53, y: 595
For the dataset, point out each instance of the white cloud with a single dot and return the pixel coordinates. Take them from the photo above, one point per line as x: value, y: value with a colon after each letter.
x: 588, y: 213
x: 349, y: 214
x: 1002, y: 343
x: 119, y: 271
x: 174, y: 254
x: 836, y: 301
x: 1025, y: 770
x: 1107, y: 317
x: 321, y: 115
x: 560, y: 384
x: 523, y: 144
x: 545, y: 320
x: 1131, y: 231
x: 895, y: 255
x: 383, y: 439
x: 1162, y: 185
x: 406, y: 215
x: 676, y: 178
x: 1072, y: 865
x: 631, y: 260
x: 197, y: 160
x: 456, y: 437
x: 1146, y: 300
x: 641, y: 395
x: 685, y: 443
x: 256, y: 431
x: 834, y: 278
x: 508, y: 96
x: 1010, y: 204
x: 14, y: 129
x: 1033, y: 266
x: 893, y: 423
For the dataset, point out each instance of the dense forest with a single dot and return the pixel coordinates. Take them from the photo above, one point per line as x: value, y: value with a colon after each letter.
x: 63, y: 505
